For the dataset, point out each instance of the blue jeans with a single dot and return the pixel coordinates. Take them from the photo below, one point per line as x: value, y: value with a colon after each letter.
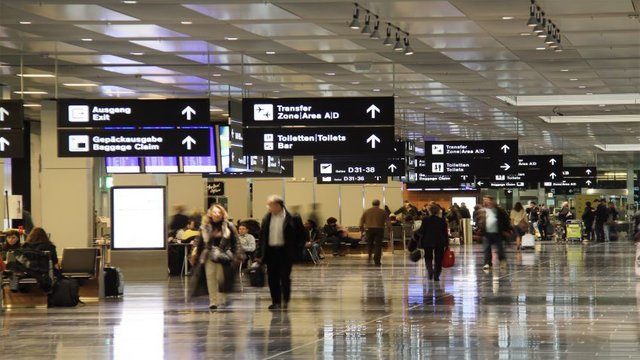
x: 496, y: 240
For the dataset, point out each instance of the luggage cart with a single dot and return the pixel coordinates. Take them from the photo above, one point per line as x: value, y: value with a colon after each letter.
x: 574, y: 230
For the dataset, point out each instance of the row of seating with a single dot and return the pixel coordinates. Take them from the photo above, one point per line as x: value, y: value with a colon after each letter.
x: 81, y: 264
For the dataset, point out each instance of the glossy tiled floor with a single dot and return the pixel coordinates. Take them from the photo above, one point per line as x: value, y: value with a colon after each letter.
x: 559, y: 301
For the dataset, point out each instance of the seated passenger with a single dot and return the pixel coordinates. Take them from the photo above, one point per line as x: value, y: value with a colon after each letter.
x: 39, y: 240
x: 247, y: 241
x: 314, y: 245
x: 336, y: 234
x: 190, y: 233
x: 12, y: 243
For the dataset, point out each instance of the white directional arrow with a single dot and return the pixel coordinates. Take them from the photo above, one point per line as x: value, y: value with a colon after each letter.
x: 189, y: 141
x: 188, y: 111
x: 588, y: 182
x: 373, y: 109
x: 3, y: 113
x: 553, y: 176
x: 372, y: 139
x: 505, y: 167
x: 505, y: 148
x: 3, y: 142
x: 392, y: 167
x: 588, y: 171
x: 480, y: 183
x: 553, y: 161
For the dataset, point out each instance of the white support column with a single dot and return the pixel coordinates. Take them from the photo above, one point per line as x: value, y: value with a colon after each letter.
x: 66, y: 184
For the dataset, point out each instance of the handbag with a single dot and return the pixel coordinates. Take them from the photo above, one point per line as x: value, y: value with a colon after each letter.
x: 449, y: 258
x: 219, y: 256
x: 523, y: 225
x: 416, y: 255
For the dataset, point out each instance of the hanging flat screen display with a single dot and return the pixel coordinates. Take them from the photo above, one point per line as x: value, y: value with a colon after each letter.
x: 122, y: 165
x: 161, y: 165
x: 133, y: 206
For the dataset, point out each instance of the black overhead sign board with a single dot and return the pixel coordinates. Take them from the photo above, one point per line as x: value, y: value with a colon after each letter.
x: 539, y: 168
x: 11, y: 114
x: 325, y: 111
x: 145, y: 142
x: 11, y: 117
x: 285, y: 170
x: 571, y: 183
x: 324, y: 166
x: 580, y: 172
x: 319, y: 141
x: 503, y: 183
x: 481, y: 158
x: 11, y: 144
x: 118, y: 112
x: 352, y: 179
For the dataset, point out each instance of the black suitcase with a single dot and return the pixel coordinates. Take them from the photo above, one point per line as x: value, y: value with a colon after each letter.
x: 113, y: 282
x: 256, y: 276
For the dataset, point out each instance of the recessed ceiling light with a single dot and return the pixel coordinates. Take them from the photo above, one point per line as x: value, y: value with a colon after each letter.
x: 30, y: 92
x: 607, y: 110
x: 525, y: 34
x: 80, y: 84
x: 225, y: 114
x: 25, y: 22
x: 573, y: 79
x: 330, y: 73
x: 230, y: 38
x: 129, y: 2
x: 376, y: 90
x: 32, y: 105
x: 507, y: 18
x: 541, y: 48
x: 36, y: 75
x: 270, y: 52
x: 276, y: 91
x: 412, y: 102
x: 427, y: 107
x: 564, y: 70
x: 216, y: 109
x: 248, y: 83
x: 136, y: 53
x: 355, y: 83
x: 186, y: 22
x: 602, y: 105
x: 582, y: 87
x: 216, y: 75
x: 86, y: 39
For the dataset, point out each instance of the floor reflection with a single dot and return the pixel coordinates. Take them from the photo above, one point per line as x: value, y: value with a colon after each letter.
x: 557, y: 301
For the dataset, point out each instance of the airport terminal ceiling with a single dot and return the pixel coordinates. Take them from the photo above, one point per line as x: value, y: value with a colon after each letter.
x: 467, y: 53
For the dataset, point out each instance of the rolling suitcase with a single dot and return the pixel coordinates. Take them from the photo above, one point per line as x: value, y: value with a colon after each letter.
x: 256, y: 276
x: 528, y: 241
x: 113, y: 282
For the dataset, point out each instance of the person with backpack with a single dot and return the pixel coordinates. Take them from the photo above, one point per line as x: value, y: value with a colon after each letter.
x: 532, y: 217
x: 602, y: 215
x: 543, y: 222
x: 587, y: 218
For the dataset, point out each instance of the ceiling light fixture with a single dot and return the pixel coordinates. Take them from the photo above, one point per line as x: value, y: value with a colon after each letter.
x: 32, y: 105
x: 248, y: 84
x: 387, y: 40
x: 136, y: 53
x: 585, y: 119
x: 572, y: 100
x: 129, y: 2
x: 549, y: 38
x: 538, y: 27
x: 532, y: 15
x: 80, y: 84
x: 25, y: 22
x: 87, y: 39
x: 30, y: 92
x: 36, y: 75
x: 507, y: 18
x: 186, y: 22
x: 366, y: 29
x: 270, y: 52
x: 375, y: 34
x: 398, y: 46
x: 355, y: 83
x: 230, y: 38
x: 355, y: 21
x: 216, y: 75
x: 407, y: 48
x: 619, y: 147
x: 330, y: 73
